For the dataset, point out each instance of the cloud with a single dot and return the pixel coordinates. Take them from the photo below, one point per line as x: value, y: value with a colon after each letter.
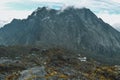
x: 3, y: 3
x: 109, y: 18
x: 10, y: 14
x: 118, y: 1
x: 2, y: 22
x: 92, y: 4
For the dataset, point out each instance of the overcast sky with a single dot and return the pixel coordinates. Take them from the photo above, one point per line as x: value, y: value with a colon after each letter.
x: 108, y: 10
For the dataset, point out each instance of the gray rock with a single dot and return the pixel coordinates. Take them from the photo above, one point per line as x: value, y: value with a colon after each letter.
x: 6, y: 61
x: 39, y: 72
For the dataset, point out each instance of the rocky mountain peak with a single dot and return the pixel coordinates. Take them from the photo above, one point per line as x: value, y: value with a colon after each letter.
x: 75, y: 29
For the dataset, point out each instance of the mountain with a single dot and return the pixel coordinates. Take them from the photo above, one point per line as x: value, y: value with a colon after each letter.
x: 75, y: 29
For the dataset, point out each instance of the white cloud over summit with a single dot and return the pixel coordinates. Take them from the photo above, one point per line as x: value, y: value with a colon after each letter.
x: 108, y: 10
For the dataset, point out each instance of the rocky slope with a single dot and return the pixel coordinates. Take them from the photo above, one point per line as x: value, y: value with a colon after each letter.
x: 75, y: 29
x: 53, y: 64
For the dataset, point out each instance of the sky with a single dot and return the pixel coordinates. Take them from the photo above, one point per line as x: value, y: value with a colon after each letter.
x: 108, y: 10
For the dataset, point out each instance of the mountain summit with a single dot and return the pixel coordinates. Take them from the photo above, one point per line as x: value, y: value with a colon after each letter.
x: 76, y: 29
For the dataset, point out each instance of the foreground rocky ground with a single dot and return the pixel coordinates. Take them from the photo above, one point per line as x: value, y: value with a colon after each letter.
x: 55, y: 64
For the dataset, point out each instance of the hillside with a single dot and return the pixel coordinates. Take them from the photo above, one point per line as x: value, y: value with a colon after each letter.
x: 36, y: 63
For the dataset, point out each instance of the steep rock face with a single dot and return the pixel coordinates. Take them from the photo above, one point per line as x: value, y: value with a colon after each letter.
x: 76, y: 29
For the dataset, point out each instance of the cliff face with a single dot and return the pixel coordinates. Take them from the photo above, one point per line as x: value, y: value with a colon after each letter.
x: 76, y: 29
